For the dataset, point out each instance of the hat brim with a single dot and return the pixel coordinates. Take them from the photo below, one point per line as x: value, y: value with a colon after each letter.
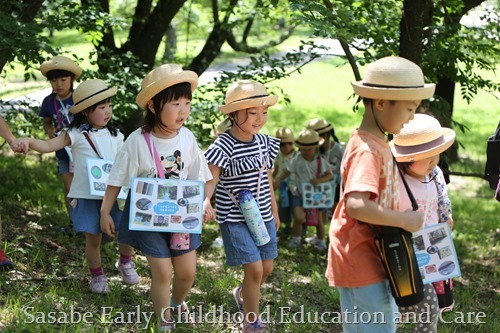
x: 394, y: 94
x: 309, y: 145
x: 249, y: 103
x: 147, y: 93
x: 93, y: 100
x: 448, y: 139
x: 70, y: 67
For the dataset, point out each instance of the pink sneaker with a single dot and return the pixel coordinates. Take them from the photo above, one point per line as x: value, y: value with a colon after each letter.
x: 167, y: 326
x: 129, y: 274
x: 99, y: 284
x: 5, y: 263
x: 256, y: 326
x: 182, y: 315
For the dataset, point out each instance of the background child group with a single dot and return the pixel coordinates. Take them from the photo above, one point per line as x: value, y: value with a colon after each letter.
x: 241, y: 158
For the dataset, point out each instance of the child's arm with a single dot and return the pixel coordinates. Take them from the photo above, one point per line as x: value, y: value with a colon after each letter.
x: 327, y: 176
x: 107, y: 223
x: 274, y: 205
x: 48, y: 146
x: 360, y: 207
x: 208, y: 211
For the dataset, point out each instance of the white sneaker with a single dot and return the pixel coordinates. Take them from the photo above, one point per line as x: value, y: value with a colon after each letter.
x: 99, y: 284
x: 320, y: 246
x: 129, y: 274
x: 312, y: 240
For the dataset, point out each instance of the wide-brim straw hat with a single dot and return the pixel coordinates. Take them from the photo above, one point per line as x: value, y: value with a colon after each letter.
x: 319, y: 125
x: 246, y: 94
x: 90, y: 92
x: 161, y: 78
x: 394, y: 78
x: 308, y: 139
x: 285, y: 135
x: 421, y: 138
x: 60, y: 63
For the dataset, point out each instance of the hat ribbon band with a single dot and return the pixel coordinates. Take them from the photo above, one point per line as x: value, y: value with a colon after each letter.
x: 90, y: 96
x: 322, y: 128
x: 406, y: 150
x: 307, y: 144
x: 387, y: 86
x: 251, y: 97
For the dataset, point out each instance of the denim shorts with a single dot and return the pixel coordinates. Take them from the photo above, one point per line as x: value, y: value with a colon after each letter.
x: 63, y: 166
x: 370, y: 309
x: 240, y: 247
x: 151, y: 243
x: 86, y: 216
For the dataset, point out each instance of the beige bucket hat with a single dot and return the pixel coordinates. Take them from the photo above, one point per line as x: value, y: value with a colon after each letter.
x: 161, y: 78
x: 285, y: 135
x: 319, y: 125
x: 394, y: 78
x: 421, y: 138
x: 60, y: 63
x: 246, y: 94
x: 308, y: 139
x: 90, y: 92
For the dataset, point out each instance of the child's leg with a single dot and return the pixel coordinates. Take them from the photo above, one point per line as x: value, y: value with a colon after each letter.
x: 185, y: 271
x: 320, y: 228
x: 161, y: 275
x: 254, y: 274
x: 425, y: 314
x: 93, y: 250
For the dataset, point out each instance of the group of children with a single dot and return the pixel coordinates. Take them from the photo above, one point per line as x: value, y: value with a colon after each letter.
x: 241, y: 158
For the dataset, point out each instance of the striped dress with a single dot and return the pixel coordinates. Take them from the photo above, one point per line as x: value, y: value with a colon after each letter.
x: 241, y: 164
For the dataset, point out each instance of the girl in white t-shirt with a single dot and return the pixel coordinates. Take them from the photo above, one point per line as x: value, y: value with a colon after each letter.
x: 161, y: 148
x: 416, y: 149
x: 91, y: 135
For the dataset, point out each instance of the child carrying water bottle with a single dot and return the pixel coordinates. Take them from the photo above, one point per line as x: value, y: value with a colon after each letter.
x: 242, y: 159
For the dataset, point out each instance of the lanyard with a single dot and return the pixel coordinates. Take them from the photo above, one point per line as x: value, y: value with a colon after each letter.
x: 58, y: 114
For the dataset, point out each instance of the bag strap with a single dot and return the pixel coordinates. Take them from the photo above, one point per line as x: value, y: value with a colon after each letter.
x: 318, y: 162
x: 154, y: 153
x: 91, y: 143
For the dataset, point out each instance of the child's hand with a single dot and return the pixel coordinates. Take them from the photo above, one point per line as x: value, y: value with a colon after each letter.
x: 413, y: 220
x: 315, y: 181
x: 450, y: 222
x: 108, y: 225
x: 208, y: 211
x: 20, y: 145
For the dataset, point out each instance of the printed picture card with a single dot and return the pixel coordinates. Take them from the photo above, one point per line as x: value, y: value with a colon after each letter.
x: 318, y: 196
x: 98, y: 172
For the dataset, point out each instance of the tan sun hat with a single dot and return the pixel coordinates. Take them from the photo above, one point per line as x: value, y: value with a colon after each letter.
x: 319, y: 125
x: 161, y: 78
x: 308, y: 139
x: 60, y: 63
x: 285, y: 135
x: 90, y: 92
x: 394, y: 78
x: 421, y: 138
x: 246, y: 94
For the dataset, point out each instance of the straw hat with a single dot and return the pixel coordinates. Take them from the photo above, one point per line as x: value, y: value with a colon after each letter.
x: 246, y: 94
x: 308, y: 139
x: 161, y: 78
x: 394, y: 78
x: 61, y: 63
x: 421, y: 138
x: 319, y: 125
x: 285, y: 135
x: 89, y: 93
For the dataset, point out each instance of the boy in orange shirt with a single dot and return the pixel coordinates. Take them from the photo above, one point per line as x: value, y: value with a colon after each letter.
x: 392, y: 89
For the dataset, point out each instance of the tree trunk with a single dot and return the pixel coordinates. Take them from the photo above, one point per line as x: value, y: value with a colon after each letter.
x: 412, y: 28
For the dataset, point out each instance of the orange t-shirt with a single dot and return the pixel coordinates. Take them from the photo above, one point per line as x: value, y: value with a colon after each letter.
x: 367, y: 166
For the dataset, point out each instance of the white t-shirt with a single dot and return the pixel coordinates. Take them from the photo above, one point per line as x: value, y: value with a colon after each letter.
x: 426, y: 196
x: 135, y: 159
x: 107, y: 146
x: 303, y: 171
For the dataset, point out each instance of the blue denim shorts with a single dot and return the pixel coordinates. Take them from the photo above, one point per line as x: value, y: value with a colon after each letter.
x: 151, y: 243
x: 240, y: 247
x: 63, y: 166
x: 86, y: 216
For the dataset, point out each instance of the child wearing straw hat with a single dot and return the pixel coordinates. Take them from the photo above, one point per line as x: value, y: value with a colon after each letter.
x: 61, y: 72
x: 165, y: 95
x: 416, y: 149
x: 305, y: 168
x: 91, y: 135
x: 241, y: 159
x: 392, y: 89
x: 285, y: 187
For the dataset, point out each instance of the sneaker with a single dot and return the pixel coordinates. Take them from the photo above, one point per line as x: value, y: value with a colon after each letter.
x: 312, y: 240
x: 293, y: 243
x: 99, y: 284
x: 182, y: 315
x: 256, y: 326
x: 320, y: 246
x: 129, y: 275
x: 238, y: 299
x: 5, y: 263
x: 167, y: 326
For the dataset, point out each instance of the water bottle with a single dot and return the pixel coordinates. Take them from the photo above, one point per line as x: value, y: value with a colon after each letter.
x: 253, y: 218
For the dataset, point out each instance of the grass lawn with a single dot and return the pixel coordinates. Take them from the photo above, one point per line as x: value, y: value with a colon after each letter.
x: 50, y: 283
